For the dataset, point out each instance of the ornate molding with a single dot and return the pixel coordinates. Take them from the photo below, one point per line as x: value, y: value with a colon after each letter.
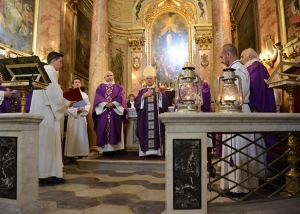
x: 204, y: 60
x: 203, y: 41
x: 71, y: 3
x: 136, y: 44
x: 187, y: 9
x: 8, y: 52
x: 233, y: 26
x: 125, y: 33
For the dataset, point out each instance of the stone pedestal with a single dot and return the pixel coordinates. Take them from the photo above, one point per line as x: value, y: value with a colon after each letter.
x: 186, y: 154
x: 19, y: 163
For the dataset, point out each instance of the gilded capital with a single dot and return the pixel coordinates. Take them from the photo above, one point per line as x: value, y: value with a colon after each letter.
x: 203, y: 41
x: 136, y: 44
x: 71, y: 3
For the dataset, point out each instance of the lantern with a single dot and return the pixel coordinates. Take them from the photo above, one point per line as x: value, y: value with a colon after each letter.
x: 188, y: 90
x: 230, y: 96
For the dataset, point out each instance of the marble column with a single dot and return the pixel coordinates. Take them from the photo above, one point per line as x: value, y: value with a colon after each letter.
x: 221, y: 34
x: 99, y: 56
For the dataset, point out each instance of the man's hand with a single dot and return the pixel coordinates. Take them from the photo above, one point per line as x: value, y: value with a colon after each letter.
x: 157, y: 90
x: 110, y: 105
x: 71, y: 103
x: 148, y: 94
x: 79, y: 110
x: 8, y: 94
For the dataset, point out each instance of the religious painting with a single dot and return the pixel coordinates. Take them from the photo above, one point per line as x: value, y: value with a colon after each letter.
x: 186, y: 174
x: 117, y: 66
x: 292, y: 18
x: 17, y: 23
x: 169, y: 45
x: 8, y: 167
x: 247, y: 29
x: 83, y: 45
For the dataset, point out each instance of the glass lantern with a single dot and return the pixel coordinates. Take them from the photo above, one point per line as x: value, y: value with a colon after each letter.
x: 188, y: 91
x: 230, y: 96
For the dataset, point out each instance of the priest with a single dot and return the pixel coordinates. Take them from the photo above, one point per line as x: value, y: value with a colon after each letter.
x: 110, y: 114
x: 262, y: 97
x: 150, y: 102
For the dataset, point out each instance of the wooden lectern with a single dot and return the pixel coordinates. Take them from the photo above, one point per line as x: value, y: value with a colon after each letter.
x: 23, y: 74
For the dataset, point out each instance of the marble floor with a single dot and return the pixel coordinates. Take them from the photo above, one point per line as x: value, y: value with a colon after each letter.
x: 134, y: 192
x: 105, y: 192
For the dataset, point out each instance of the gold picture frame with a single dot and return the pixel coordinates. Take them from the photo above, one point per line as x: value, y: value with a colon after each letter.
x: 288, y: 33
x: 18, y: 26
x: 83, y: 44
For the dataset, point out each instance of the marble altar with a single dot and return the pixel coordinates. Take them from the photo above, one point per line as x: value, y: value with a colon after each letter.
x: 19, y: 163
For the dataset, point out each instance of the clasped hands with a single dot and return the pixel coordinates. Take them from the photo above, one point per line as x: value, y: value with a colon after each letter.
x: 110, y: 105
x: 150, y: 93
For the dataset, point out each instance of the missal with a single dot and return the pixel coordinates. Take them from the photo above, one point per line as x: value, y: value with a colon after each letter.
x: 73, y: 95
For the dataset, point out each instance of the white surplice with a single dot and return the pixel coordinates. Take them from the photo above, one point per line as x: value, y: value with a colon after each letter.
x: 238, y: 142
x: 77, y: 142
x: 51, y: 104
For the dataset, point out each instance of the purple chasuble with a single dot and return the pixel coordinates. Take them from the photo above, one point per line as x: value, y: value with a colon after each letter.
x: 108, y: 125
x: 206, y: 107
x: 261, y: 96
x: 5, y: 107
x: 147, y: 130
x: 28, y: 101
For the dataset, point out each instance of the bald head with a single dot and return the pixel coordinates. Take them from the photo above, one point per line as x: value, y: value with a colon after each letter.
x: 247, y: 55
x: 109, y: 76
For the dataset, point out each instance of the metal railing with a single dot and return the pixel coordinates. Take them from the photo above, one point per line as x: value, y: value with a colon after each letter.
x: 279, y: 162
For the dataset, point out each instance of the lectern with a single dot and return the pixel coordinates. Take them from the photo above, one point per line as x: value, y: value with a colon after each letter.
x: 23, y: 74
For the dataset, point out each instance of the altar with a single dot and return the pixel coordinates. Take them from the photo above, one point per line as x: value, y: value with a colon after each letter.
x: 19, y: 163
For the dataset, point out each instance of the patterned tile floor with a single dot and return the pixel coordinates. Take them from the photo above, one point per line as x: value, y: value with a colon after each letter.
x: 133, y: 192
x: 105, y: 192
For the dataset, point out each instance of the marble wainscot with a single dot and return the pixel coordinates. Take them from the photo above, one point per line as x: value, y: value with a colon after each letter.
x: 19, y: 134
x: 185, y: 147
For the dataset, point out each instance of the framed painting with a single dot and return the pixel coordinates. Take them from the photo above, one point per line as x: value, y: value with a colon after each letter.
x: 169, y: 45
x: 247, y: 29
x: 18, y: 24
x: 83, y: 45
x: 290, y: 19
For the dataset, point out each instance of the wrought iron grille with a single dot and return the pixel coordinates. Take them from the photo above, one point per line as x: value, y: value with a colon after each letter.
x: 279, y: 162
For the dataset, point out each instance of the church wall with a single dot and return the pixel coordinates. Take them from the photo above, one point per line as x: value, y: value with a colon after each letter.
x: 66, y: 49
x: 55, y: 27
x: 119, y: 12
x: 268, y: 19
x: 268, y: 24
x: 50, y: 26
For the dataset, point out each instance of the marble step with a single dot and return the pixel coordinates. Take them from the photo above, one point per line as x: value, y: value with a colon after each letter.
x: 94, y: 162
